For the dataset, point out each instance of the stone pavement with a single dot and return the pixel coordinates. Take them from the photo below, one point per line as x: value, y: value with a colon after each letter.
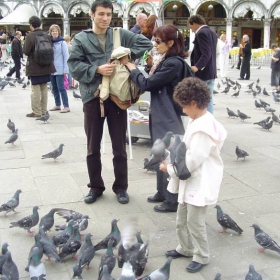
x: 250, y: 191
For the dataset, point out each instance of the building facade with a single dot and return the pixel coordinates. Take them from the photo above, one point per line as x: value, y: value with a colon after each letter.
x: 259, y: 19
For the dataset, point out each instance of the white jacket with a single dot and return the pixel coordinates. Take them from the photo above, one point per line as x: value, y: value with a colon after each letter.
x: 204, y: 139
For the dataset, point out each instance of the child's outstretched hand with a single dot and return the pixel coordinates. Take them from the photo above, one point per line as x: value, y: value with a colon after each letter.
x: 163, y: 166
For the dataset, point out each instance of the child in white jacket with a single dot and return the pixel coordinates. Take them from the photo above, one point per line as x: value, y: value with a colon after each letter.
x: 204, y: 139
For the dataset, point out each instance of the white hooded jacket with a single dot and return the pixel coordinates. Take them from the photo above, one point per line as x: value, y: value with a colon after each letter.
x: 204, y: 139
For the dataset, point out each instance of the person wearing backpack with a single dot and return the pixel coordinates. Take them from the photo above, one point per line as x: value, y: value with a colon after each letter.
x: 88, y: 63
x: 38, y: 66
x: 61, y: 55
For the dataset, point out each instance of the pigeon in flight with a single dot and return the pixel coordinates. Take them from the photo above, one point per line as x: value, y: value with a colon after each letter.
x: 240, y: 153
x: 252, y: 274
x: 54, y: 154
x: 11, y: 204
x: 242, y: 116
x: 11, y: 126
x: 13, y: 138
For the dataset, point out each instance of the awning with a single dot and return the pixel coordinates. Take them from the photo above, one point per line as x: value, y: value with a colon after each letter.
x: 19, y: 16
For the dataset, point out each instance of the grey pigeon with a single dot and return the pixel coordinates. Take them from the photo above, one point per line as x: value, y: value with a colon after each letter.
x: 4, y: 250
x: 267, y: 125
x: 264, y: 103
x: 87, y: 251
x: 114, y: 235
x: 47, y: 221
x: 260, y: 123
x: 127, y: 272
x: 139, y: 259
x: 226, y: 90
x: 108, y: 258
x: 218, y: 276
x: 13, y: 138
x: 11, y: 84
x: 250, y: 85
x: 258, y: 105
x: 242, y: 116
x: 62, y: 237
x: 258, y: 80
x: 24, y: 86
x: 3, y: 83
x: 76, y: 86
x: 235, y: 94
x: 269, y: 110
x: 149, y: 168
x: 231, y: 113
x: 77, y: 270
x: 44, y: 118
x: 172, y: 149
x: 20, y: 81
x: 158, y: 153
x: 9, y: 268
x: 36, y: 267
x: 28, y: 222
x: 275, y: 118
x: 240, y: 153
x: 106, y: 275
x: 265, y: 92
x: 38, y: 245
x: 265, y: 240
x: 77, y: 96
x: 179, y: 165
x: 226, y: 221
x: 11, y: 126
x: 218, y: 85
x: 276, y: 99
x: 252, y: 274
x: 11, y: 204
x: 54, y: 154
x: 69, y: 214
x: 82, y: 223
x: 160, y: 274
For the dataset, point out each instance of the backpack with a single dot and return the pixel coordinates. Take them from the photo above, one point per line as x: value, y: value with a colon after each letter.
x: 43, y: 53
x: 121, y: 89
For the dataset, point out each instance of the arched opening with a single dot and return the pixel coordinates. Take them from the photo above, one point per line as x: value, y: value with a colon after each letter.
x: 52, y: 14
x: 275, y: 25
x: 79, y: 18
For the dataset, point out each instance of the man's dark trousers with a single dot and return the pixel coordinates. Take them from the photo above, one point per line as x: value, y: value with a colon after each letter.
x: 245, y: 68
x: 16, y: 68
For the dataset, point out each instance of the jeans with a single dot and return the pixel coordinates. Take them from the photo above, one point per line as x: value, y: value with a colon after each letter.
x: 210, y: 84
x: 58, y: 90
x: 69, y: 80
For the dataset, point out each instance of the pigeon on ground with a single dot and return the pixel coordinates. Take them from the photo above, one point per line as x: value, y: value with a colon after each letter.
x: 265, y: 240
x: 235, y: 94
x: 255, y: 93
x: 28, y: 83
x: 218, y: 85
x: 162, y: 273
x: 260, y: 123
x: 77, y: 96
x: 264, y: 103
x: 259, y: 67
x: 11, y: 84
x: 4, y: 250
x: 87, y: 252
x: 239, y: 85
x: 44, y: 117
x: 218, y: 276
x: 215, y: 92
x: 258, y: 80
x: 69, y: 214
x: 158, y: 153
x: 240, y: 153
x: 13, y: 138
x: 11, y: 126
x: 139, y: 259
x: 258, y: 105
x: 276, y: 99
x: 269, y: 110
x: 265, y: 92
x: 76, y: 86
x: 250, y: 85
x: 28, y: 222
x: 223, y: 82
x: 11, y: 204
x: 226, y: 90
x: 267, y: 125
x: 9, y: 268
x: 235, y: 87
x: 3, y: 83
x: 77, y: 270
x: 36, y: 267
x: 114, y: 235
x: 127, y: 272
x: 242, y: 116
x: 39, y: 246
x: 62, y: 237
x: 275, y: 118
x: 226, y: 221
x: 252, y: 274
x: 24, y: 86
x: 107, y: 259
x: 54, y: 154
x: 172, y: 149
x: 232, y: 66
x: 151, y: 168
x: 47, y: 221
x: 105, y: 274
x: 231, y: 113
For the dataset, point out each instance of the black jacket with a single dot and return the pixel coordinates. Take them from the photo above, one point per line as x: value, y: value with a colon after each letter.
x: 16, y: 48
x: 247, y: 50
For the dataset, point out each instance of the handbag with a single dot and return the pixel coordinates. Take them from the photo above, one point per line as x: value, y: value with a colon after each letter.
x: 66, y: 84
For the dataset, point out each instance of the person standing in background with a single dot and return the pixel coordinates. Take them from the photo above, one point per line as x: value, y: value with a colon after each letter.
x: 246, y: 55
x: 67, y: 39
x: 3, y: 42
x: 140, y: 21
x: 275, y: 67
x: 224, y: 55
x: 240, y: 57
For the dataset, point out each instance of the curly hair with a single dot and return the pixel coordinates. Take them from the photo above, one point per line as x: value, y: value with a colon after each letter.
x: 149, y: 26
x: 192, y: 89
x: 35, y: 21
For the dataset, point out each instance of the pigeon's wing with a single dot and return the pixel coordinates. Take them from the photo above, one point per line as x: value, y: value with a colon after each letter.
x: 11, y: 204
x: 53, y: 154
x: 69, y: 214
x: 227, y: 222
x: 25, y: 222
x: 264, y: 240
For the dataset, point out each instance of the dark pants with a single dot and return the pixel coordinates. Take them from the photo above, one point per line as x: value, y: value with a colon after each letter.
x: 239, y: 61
x: 245, y: 68
x: 117, y: 124
x: 16, y: 68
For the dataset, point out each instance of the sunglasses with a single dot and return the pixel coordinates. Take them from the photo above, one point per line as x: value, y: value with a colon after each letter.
x: 158, y: 41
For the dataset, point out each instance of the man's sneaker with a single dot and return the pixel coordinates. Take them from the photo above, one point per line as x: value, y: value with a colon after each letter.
x: 91, y: 197
x: 122, y: 197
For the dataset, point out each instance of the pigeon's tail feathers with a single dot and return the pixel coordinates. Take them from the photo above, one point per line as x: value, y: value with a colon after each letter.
x: 238, y: 229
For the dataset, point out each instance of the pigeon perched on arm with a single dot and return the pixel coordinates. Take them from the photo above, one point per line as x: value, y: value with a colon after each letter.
x: 240, y: 153
x: 11, y: 126
x: 87, y: 252
x: 44, y: 117
x: 226, y: 221
x: 28, y: 222
x: 265, y: 240
x: 9, y: 268
x: 36, y: 268
x: 11, y: 204
x: 242, y: 116
x: 149, y: 168
x: 54, y: 154
x: 173, y: 148
x: 231, y: 113
x: 13, y: 138
x: 252, y: 274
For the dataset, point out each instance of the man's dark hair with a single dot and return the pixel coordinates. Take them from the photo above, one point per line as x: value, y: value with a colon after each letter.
x: 273, y: 46
x: 35, y: 21
x: 192, y: 89
x: 198, y: 19
x: 102, y: 3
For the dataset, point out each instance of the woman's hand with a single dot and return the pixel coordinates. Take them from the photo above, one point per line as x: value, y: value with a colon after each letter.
x: 149, y: 60
x: 163, y: 166
x: 130, y: 66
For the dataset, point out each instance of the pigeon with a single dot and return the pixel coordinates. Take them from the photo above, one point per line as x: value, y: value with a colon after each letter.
x: 226, y: 221
x: 258, y: 80
x: 9, y: 268
x: 39, y: 246
x: 108, y: 258
x: 44, y: 117
x: 242, y: 116
x: 265, y: 240
x: 275, y: 118
x: 4, y: 250
x: 69, y: 214
x: 250, y: 85
x: 77, y: 270
x: 226, y: 90
x: 259, y: 67
x: 264, y: 103
x: 265, y: 92
x: 36, y: 267
x: 139, y: 259
x: 232, y: 66
x: 3, y: 83
x: 267, y: 125
x: 235, y: 94
x: 54, y: 154
x: 258, y: 105
x: 255, y: 93
x: 223, y: 82
x: 151, y: 168
x: 76, y: 86
x: 77, y: 96
x: 218, y: 276
x: 24, y: 86
x: 87, y: 252
x: 162, y: 273
x: 13, y: 138
x: 252, y: 274
x: 215, y: 92
x: 28, y: 83
x: 106, y: 275
x: 20, y: 81
x: 260, y: 123
x: 11, y: 204
x: 127, y: 272
x: 11, y: 84
x: 28, y: 222
x: 114, y: 235
x: 62, y: 237
x: 158, y: 150
x: 240, y: 153
x: 269, y: 110
x: 218, y: 85
x: 239, y: 86
x: 47, y: 221
x: 173, y: 148
x: 276, y: 99
x: 11, y: 126
x: 235, y: 87
x: 231, y: 113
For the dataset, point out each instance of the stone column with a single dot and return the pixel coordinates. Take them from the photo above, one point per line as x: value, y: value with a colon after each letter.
x: 66, y: 27
x: 229, y: 29
x: 125, y: 23
x: 266, y: 34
